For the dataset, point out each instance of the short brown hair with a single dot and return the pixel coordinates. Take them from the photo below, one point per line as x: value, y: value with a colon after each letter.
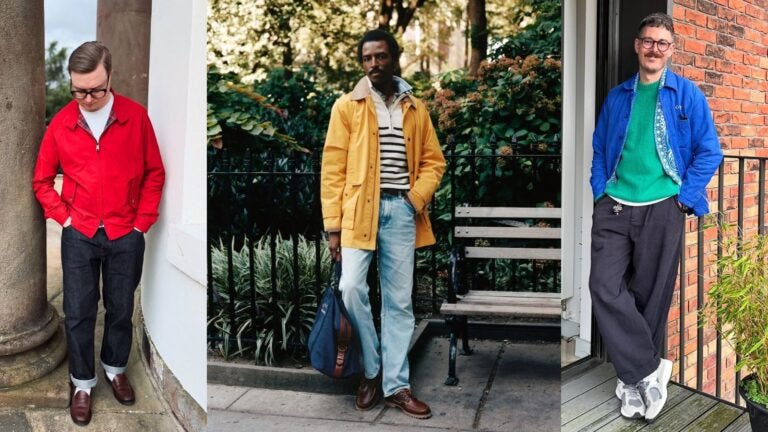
x: 657, y: 19
x: 87, y: 57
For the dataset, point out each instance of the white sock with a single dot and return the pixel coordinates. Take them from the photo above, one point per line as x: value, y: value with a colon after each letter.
x: 111, y: 376
x: 86, y: 390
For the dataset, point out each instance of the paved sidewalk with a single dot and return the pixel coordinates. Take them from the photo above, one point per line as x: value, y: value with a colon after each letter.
x: 503, y: 386
x: 149, y: 413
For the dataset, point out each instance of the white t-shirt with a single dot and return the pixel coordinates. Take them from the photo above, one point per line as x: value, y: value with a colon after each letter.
x: 97, y: 120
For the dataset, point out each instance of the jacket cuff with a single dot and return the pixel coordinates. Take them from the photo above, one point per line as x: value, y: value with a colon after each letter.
x: 332, y: 224
x: 143, y: 224
x: 686, y: 200
x: 60, y: 216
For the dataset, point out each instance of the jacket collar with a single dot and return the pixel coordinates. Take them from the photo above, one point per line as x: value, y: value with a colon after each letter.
x: 362, y: 89
x: 671, y: 80
x: 72, y: 113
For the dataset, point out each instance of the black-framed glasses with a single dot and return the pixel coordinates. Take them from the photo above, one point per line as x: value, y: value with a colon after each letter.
x: 96, y: 93
x: 661, y: 44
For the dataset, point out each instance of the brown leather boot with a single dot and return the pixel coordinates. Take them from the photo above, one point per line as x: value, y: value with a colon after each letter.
x: 79, y: 406
x: 368, y: 394
x: 408, y: 403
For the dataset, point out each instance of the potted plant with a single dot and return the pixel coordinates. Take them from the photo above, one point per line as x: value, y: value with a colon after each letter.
x: 738, y: 308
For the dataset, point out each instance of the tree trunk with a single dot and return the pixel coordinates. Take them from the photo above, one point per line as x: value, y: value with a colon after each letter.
x: 478, y: 34
x: 283, y: 40
x: 405, y: 13
x: 385, y: 14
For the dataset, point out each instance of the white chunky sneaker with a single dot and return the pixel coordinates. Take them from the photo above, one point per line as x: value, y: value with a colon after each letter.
x: 632, y: 405
x: 619, y: 388
x: 653, y: 389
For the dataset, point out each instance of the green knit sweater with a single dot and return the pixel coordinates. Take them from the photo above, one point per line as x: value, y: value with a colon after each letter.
x: 640, y: 176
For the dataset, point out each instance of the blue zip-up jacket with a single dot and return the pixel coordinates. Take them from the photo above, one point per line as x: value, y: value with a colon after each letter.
x: 691, y: 135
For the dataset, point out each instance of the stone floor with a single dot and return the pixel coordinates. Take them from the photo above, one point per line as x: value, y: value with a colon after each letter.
x: 50, y: 414
x: 504, y: 386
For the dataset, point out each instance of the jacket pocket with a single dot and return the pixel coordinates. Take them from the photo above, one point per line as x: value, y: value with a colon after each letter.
x: 68, y: 191
x: 348, y: 206
x: 683, y: 128
x: 133, y: 193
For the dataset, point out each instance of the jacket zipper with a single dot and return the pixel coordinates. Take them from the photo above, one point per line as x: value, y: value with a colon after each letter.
x: 101, y: 173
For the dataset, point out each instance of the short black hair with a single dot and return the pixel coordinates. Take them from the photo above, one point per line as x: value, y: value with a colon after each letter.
x: 378, y: 35
x: 657, y: 19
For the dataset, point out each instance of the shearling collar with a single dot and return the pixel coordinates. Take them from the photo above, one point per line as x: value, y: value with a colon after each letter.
x: 363, y: 88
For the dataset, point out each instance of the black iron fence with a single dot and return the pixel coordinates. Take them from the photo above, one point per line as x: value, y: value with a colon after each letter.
x: 739, y: 202
x: 267, y: 256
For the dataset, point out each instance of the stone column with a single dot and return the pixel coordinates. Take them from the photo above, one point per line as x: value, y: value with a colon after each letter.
x: 124, y: 27
x: 31, y: 340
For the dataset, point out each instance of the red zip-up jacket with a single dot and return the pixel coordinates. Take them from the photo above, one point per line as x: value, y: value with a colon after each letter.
x: 117, y: 181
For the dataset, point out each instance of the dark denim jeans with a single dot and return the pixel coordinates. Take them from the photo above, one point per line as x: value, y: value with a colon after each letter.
x: 119, y: 263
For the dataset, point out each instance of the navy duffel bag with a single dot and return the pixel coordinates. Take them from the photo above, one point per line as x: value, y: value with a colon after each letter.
x: 333, y: 347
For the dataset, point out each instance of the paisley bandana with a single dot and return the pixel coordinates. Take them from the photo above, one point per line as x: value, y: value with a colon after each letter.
x: 660, y: 137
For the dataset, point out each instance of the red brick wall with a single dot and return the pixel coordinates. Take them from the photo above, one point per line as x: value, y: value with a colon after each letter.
x: 722, y: 45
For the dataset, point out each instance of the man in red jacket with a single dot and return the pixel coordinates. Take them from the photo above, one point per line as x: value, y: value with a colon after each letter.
x: 113, y: 179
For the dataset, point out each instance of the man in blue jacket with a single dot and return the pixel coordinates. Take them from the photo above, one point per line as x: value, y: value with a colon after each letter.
x: 655, y: 149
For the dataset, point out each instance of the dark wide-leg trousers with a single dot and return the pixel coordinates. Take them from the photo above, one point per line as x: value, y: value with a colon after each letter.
x: 84, y: 261
x: 635, y: 258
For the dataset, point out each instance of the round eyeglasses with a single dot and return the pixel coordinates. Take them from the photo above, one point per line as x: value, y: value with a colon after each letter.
x: 662, y: 45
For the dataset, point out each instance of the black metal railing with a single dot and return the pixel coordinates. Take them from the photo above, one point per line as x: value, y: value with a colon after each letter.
x: 261, y: 202
x: 732, y: 200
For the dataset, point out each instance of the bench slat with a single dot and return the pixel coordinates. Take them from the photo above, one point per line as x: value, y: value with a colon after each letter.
x: 490, y: 302
x: 507, y: 232
x: 512, y: 253
x: 501, y: 310
x: 509, y: 212
x: 511, y: 294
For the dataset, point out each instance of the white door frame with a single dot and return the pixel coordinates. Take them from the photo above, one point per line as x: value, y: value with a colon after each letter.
x: 579, y: 76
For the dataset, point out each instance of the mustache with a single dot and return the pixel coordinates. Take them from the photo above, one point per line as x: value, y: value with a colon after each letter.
x: 654, y: 54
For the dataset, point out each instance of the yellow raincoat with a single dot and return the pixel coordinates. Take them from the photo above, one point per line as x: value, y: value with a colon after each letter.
x: 349, y: 179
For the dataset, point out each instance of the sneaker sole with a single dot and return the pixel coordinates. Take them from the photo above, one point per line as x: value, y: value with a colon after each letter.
x: 633, y: 416
x: 417, y: 416
x: 636, y: 415
x: 666, y: 376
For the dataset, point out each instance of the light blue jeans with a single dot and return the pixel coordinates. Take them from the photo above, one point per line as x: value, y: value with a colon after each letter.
x: 396, y: 241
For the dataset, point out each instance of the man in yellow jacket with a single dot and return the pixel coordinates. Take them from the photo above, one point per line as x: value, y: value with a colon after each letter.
x: 381, y: 165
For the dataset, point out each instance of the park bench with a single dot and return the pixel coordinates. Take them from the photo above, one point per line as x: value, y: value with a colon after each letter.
x: 520, y: 240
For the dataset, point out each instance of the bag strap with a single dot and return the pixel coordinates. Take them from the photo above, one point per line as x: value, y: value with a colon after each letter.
x: 335, y: 276
x: 342, y: 345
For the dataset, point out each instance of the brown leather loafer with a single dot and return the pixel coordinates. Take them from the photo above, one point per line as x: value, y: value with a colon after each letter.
x: 368, y: 394
x: 79, y: 406
x: 407, y: 403
x: 122, y: 389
